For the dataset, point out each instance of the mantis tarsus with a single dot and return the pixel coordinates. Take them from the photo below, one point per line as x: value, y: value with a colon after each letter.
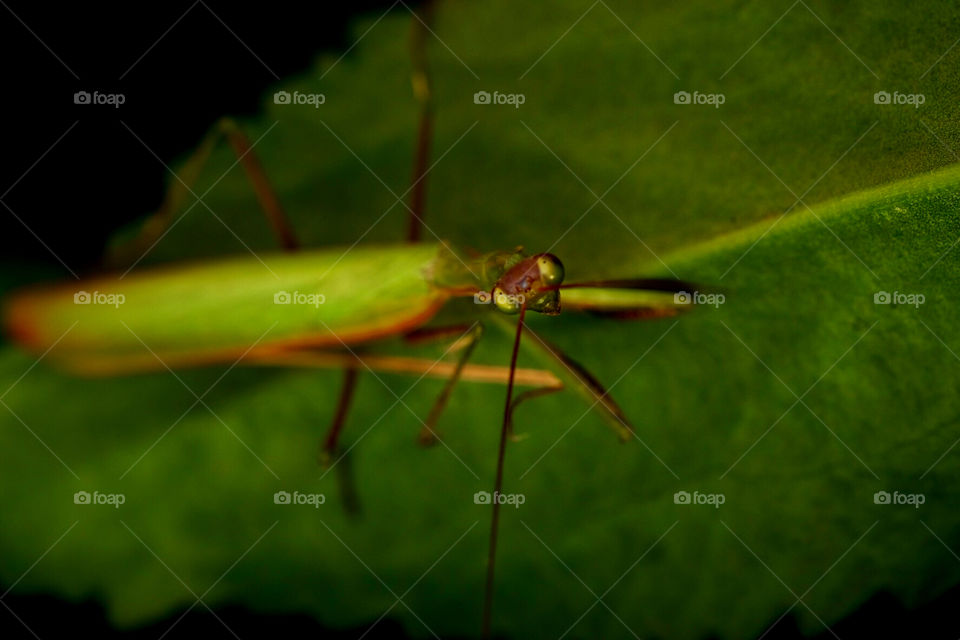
x: 188, y: 314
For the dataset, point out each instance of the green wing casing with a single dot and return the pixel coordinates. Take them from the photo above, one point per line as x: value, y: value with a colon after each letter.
x: 216, y: 311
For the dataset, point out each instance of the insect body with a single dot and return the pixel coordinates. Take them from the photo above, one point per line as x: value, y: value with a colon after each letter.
x: 209, y: 312
x: 313, y: 308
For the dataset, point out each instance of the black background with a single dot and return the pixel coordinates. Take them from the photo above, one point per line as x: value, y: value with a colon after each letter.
x: 182, y: 66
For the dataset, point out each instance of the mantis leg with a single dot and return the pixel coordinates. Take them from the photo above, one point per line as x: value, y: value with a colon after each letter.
x: 581, y: 381
x: 428, y: 434
x: 330, y: 450
x: 330, y: 446
x: 181, y: 190
x: 570, y: 375
x: 420, y: 79
x: 266, y: 196
x: 625, y: 299
x: 469, y: 336
x: 412, y: 366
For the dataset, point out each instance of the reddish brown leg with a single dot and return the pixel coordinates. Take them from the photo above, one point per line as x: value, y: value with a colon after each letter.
x: 530, y: 394
x: 422, y: 92
x: 261, y: 185
x: 181, y: 190
x: 328, y: 449
x: 428, y: 434
x: 348, y: 488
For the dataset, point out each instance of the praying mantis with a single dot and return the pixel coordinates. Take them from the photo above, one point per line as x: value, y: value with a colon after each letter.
x: 330, y: 307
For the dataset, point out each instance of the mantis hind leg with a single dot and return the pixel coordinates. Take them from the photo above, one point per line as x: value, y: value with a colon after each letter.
x: 331, y: 444
x: 330, y: 449
x: 181, y: 189
x: 264, y: 191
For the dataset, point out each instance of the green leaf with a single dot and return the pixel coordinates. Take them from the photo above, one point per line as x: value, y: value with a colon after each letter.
x: 797, y: 398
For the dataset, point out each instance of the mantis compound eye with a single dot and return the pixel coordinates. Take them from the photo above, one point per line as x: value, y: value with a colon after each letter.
x: 509, y: 303
x: 551, y: 269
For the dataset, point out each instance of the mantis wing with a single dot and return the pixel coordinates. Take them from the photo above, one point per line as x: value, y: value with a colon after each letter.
x: 216, y: 311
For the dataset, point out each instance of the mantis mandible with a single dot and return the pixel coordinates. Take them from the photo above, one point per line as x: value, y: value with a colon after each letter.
x: 193, y: 314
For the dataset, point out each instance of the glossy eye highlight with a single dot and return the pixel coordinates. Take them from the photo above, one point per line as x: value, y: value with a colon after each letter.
x: 551, y: 269
x: 505, y: 302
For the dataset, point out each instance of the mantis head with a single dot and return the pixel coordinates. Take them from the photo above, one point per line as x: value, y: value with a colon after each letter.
x: 534, y: 282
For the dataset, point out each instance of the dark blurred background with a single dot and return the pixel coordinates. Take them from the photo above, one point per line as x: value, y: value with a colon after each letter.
x: 72, y: 174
